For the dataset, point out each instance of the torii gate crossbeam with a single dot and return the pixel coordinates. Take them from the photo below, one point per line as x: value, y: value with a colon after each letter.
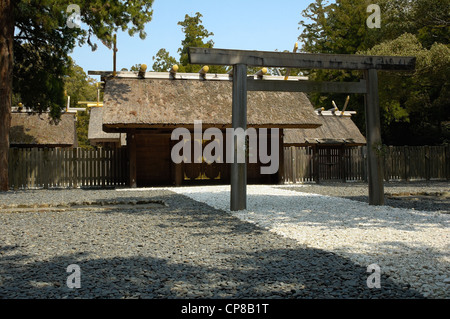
x: 240, y: 59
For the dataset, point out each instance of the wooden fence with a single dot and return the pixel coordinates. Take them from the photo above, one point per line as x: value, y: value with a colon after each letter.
x: 406, y: 163
x: 66, y: 168
x: 71, y: 168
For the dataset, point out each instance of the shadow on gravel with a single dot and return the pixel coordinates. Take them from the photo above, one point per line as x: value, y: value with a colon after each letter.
x: 191, y: 251
x: 409, y: 203
x: 269, y: 273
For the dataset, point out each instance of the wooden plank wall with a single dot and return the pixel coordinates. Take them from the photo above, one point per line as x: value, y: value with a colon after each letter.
x: 416, y: 162
x: 66, y: 168
x: 401, y: 163
x: 298, y: 164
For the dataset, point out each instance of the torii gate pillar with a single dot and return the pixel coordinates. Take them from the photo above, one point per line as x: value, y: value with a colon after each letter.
x: 238, y: 176
x: 373, y: 138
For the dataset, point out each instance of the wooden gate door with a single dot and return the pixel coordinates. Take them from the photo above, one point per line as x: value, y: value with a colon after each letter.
x: 330, y: 163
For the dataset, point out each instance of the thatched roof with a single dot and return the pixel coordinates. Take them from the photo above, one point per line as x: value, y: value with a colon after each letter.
x: 334, y: 130
x: 32, y: 129
x: 161, y: 103
x: 96, y: 134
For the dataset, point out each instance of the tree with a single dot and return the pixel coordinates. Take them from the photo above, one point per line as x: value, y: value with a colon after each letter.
x: 79, y: 86
x: 341, y: 28
x: 195, y: 35
x: 38, y: 32
x: 338, y: 28
x: 428, y: 20
x: 135, y: 68
x: 83, y: 129
x: 414, y: 107
x: 163, y: 61
x: 6, y: 67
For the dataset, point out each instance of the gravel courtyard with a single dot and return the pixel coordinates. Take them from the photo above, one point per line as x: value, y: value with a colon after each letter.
x: 291, y: 242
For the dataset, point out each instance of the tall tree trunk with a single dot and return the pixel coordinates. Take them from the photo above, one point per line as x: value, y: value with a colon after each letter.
x: 6, y: 67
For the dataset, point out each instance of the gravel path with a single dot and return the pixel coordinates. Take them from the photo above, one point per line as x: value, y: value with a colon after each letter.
x: 161, y: 243
x: 428, y: 196
x: 411, y: 246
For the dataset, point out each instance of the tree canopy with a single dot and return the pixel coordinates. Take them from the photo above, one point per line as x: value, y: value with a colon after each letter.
x: 35, y: 40
x: 413, y: 106
x: 43, y: 41
x: 195, y: 35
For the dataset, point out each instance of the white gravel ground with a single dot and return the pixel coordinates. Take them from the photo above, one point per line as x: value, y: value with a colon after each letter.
x: 410, y: 246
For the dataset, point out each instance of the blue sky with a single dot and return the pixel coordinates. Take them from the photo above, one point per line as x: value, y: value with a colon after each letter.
x: 264, y: 25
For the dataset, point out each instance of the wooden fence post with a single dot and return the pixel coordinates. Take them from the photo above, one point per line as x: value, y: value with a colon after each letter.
x: 103, y: 165
x: 406, y: 152
x: 281, y: 179
x: 16, y: 163
x: 75, y: 167
x: 46, y: 172
x: 427, y: 163
x: 316, y: 167
x: 447, y: 162
x: 364, y: 163
x: 343, y: 164
x: 131, y: 145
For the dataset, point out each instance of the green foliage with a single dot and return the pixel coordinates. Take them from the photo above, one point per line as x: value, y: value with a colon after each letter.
x: 163, y: 61
x: 421, y: 99
x: 82, y: 129
x: 428, y: 20
x: 135, y: 68
x: 43, y: 41
x: 195, y: 36
x: 414, y: 107
x: 337, y: 27
x: 79, y: 86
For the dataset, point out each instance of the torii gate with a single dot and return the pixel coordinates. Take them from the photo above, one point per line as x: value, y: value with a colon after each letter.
x: 240, y: 59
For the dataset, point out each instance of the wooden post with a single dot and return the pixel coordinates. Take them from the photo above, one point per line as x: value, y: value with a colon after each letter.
x: 342, y: 164
x: 261, y: 73
x: 447, y: 162
x: 173, y: 70
x: 316, y: 169
x: 131, y: 144
x: 203, y: 71
x: 239, y: 120
x: 407, y: 161
x: 102, y: 167
x: 75, y: 167
x: 142, y: 70
x: 281, y: 175
x: 114, y: 54
x: 178, y: 174
x: 16, y: 166
x: 427, y: 163
x: 374, y: 145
